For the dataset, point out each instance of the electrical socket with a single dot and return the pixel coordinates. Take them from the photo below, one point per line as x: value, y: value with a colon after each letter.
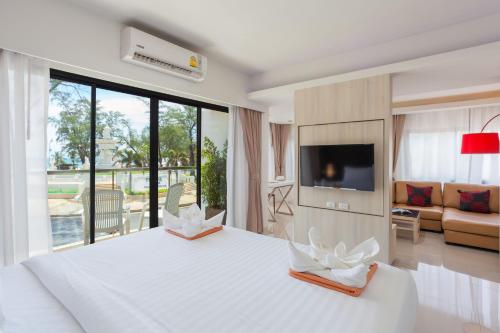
x: 343, y: 205
x: 330, y: 204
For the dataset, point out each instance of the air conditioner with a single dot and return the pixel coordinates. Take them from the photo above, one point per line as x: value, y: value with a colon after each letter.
x: 143, y: 49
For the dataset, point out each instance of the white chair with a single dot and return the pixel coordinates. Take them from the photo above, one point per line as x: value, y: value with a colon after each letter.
x: 110, y: 216
x: 171, y: 204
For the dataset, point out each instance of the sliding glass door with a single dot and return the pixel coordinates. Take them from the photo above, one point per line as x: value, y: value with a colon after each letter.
x: 68, y: 156
x: 114, y: 153
x: 177, y: 151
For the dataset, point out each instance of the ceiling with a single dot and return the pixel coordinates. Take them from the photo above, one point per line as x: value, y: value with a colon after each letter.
x: 261, y: 35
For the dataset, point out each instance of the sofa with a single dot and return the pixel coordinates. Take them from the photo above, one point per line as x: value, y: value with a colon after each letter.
x: 430, y: 217
x: 469, y: 228
x: 460, y: 227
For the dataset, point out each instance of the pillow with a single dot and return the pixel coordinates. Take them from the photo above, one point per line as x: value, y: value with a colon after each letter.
x: 419, y: 196
x: 478, y: 202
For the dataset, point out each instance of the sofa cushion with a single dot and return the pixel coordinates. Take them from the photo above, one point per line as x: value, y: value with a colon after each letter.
x: 478, y: 202
x: 419, y: 196
x: 451, y: 197
x: 470, y: 222
x: 426, y: 213
x: 402, y: 195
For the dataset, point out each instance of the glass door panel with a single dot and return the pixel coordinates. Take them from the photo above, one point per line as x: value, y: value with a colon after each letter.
x: 121, y: 164
x: 214, y: 131
x: 177, y: 151
x: 68, y: 155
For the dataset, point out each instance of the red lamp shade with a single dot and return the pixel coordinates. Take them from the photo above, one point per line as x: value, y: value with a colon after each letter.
x: 480, y: 143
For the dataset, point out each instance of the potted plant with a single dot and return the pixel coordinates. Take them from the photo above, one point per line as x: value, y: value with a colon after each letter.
x: 213, y: 178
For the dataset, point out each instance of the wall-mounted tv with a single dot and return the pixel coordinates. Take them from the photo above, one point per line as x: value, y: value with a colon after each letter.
x: 338, y: 166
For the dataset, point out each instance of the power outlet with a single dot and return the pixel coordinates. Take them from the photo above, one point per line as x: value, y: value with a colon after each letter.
x: 330, y: 204
x: 343, y: 205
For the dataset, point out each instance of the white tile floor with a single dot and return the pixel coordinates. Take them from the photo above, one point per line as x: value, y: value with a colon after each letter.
x: 458, y: 287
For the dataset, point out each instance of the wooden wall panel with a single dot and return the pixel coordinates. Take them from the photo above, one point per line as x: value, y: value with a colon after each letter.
x: 359, y: 132
x: 353, y: 101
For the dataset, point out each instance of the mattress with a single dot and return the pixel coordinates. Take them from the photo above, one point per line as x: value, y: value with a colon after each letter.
x: 230, y: 281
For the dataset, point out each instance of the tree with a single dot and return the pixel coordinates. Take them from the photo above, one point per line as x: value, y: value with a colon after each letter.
x: 213, y: 173
x: 183, y: 117
x: 73, y: 124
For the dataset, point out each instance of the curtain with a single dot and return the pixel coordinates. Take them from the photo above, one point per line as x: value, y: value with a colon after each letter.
x: 430, y: 147
x: 279, y: 142
x: 237, y: 173
x: 251, y: 122
x: 289, y: 158
x: 24, y: 216
x: 398, y: 123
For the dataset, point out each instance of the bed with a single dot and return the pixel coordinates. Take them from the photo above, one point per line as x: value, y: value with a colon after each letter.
x: 230, y: 281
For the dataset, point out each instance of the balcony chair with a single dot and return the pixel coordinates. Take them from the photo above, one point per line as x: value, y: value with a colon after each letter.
x: 171, y: 204
x: 110, y: 215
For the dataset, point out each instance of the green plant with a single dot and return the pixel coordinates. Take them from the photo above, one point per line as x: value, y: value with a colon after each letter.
x: 213, y: 175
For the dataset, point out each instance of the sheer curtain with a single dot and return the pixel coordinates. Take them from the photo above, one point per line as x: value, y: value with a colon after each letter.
x: 430, y: 147
x: 237, y: 173
x: 24, y: 216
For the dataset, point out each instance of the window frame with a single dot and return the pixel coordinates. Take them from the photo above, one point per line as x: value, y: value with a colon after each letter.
x: 154, y: 97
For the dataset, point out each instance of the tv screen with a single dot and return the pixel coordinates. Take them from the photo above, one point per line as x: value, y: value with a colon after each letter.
x: 338, y: 166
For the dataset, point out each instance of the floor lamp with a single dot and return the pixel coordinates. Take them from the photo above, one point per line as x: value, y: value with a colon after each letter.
x: 481, y: 143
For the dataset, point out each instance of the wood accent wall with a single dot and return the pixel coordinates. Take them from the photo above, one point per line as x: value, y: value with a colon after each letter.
x: 357, y: 111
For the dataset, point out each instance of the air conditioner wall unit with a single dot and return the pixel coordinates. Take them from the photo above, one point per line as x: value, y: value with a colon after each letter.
x: 146, y: 50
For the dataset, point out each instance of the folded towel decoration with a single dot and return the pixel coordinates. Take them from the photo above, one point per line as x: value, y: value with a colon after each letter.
x: 334, y: 268
x: 191, y: 223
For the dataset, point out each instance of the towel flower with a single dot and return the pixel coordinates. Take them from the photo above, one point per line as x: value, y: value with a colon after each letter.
x: 349, y: 268
x: 191, y: 221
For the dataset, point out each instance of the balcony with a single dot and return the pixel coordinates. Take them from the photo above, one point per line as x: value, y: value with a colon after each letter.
x: 65, y: 188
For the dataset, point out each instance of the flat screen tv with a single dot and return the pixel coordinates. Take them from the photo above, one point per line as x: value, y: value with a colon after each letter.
x: 338, y: 166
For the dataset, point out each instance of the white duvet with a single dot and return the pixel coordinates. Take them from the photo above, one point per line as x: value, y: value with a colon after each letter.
x: 230, y: 281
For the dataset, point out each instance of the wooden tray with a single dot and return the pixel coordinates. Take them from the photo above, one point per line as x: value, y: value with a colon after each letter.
x: 329, y: 284
x: 200, y: 235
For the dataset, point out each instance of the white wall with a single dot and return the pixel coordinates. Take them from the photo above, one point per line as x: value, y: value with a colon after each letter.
x: 282, y: 114
x: 215, y: 126
x: 90, y: 44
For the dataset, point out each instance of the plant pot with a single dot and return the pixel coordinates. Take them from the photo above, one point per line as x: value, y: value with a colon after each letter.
x: 211, y: 212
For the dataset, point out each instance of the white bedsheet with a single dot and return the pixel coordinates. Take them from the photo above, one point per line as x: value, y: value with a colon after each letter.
x: 29, y: 307
x: 230, y: 281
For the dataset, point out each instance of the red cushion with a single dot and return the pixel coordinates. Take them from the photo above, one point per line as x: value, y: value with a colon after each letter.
x: 478, y: 202
x: 419, y: 196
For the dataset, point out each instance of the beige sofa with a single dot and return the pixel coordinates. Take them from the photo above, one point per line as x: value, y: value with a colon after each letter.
x: 430, y: 217
x: 469, y: 228
x: 460, y: 227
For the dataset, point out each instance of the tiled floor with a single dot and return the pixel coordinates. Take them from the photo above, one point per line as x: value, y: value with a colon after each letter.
x: 458, y: 287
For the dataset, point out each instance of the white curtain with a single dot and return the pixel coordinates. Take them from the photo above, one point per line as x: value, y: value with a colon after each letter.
x: 430, y: 147
x: 237, y: 173
x: 24, y: 216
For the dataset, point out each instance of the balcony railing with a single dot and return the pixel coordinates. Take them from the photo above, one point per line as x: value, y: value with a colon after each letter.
x: 66, y: 187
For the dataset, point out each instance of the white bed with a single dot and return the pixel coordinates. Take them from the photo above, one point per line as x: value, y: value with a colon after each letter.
x: 230, y: 281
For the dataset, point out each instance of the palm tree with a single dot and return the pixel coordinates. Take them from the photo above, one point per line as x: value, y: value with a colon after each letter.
x: 126, y: 157
x: 177, y: 158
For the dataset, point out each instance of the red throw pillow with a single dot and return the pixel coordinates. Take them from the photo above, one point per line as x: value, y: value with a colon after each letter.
x: 478, y: 202
x: 419, y: 196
